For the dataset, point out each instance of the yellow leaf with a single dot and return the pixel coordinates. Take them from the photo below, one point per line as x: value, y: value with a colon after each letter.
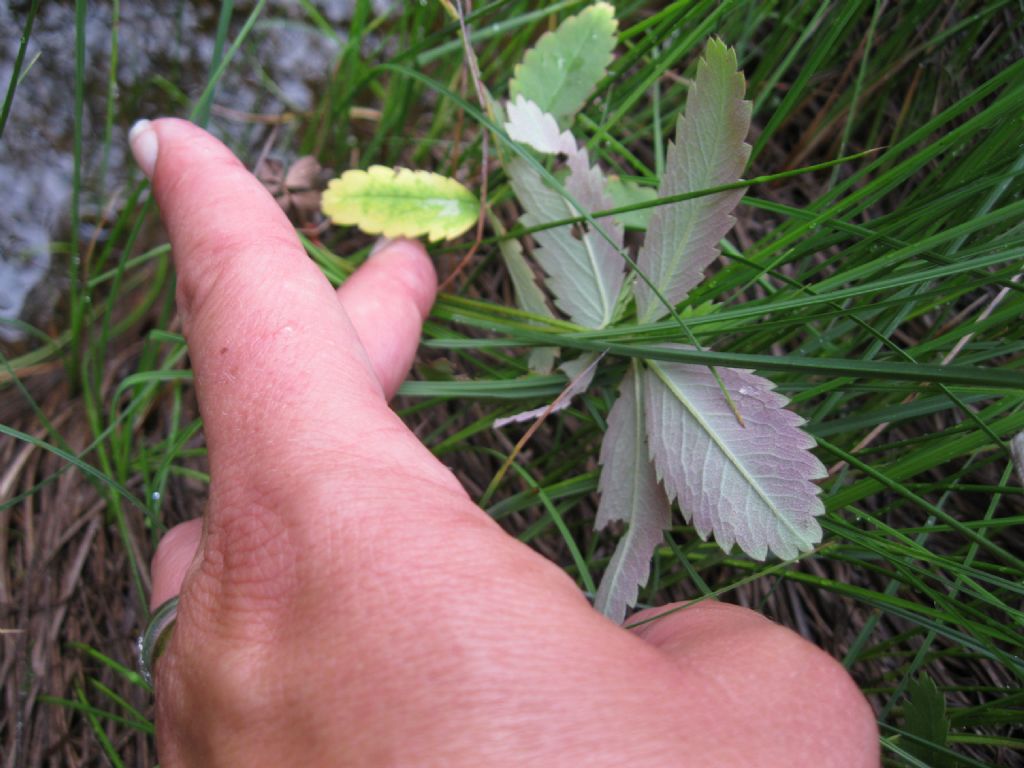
x: 399, y: 202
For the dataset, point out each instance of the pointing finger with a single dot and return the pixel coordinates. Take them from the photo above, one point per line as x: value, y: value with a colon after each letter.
x: 285, y: 387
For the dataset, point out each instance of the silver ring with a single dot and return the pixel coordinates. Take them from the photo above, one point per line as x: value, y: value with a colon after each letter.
x: 158, y: 633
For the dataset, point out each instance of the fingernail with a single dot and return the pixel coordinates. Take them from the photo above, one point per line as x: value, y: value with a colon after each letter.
x: 145, y: 145
x: 381, y: 244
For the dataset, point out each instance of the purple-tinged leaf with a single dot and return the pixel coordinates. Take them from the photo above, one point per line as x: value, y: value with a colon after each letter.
x: 584, y: 267
x: 750, y: 484
x: 629, y: 492
x: 580, y: 372
x: 709, y: 151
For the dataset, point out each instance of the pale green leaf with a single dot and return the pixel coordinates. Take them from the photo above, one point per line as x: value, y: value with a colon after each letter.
x: 709, y: 150
x: 559, y: 73
x: 584, y: 267
x: 582, y: 368
x: 542, y: 359
x: 749, y: 484
x: 528, y: 293
x: 398, y: 202
x: 529, y: 297
x: 629, y: 492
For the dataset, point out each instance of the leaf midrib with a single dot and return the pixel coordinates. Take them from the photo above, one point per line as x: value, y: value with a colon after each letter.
x: 595, y: 272
x: 418, y: 198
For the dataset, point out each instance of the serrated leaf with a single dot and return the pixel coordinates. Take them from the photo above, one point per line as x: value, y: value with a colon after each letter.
x: 749, y: 484
x: 585, y: 270
x: 709, y: 150
x: 625, y: 193
x: 925, y: 717
x: 398, y: 202
x: 561, y: 70
x: 528, y: 124
x: 629, y: 492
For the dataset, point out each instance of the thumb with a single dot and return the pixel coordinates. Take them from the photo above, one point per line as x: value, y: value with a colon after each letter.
x: 174, y: 556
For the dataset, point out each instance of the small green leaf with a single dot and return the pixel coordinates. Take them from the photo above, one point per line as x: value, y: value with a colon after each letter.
x: 398, y: 202
x: 925, y: 717
x: 625, y: 193
x: 560, y: 72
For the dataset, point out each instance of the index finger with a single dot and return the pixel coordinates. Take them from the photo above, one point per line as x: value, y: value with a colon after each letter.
x: 281, y: 377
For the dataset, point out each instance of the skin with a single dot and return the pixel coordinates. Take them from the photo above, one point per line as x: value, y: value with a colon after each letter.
x: 344, y: 602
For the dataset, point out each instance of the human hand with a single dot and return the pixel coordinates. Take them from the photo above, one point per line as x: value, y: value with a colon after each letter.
x: 344, y: 602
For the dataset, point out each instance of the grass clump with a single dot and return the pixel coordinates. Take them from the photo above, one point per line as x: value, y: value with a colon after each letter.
x: 882, y: 294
